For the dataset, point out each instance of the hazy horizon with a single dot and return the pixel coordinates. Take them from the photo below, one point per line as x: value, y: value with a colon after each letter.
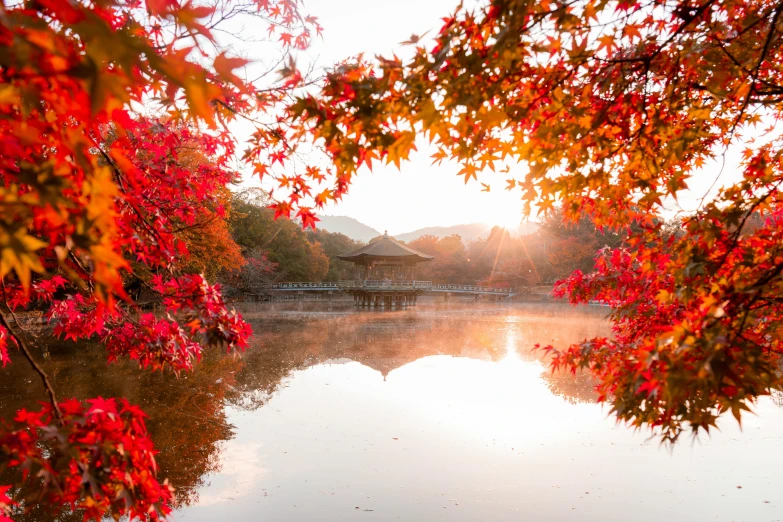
x: 395, y: 232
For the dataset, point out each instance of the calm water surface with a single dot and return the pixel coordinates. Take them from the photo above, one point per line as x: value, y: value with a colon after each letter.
x: 437, y: 413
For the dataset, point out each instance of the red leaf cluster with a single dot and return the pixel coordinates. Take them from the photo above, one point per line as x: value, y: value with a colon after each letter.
x: 99, y: 460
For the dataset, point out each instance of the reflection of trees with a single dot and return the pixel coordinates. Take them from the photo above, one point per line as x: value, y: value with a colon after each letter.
x: 186, y: 415
x: 777, y: 398
x: 383, y: 343
x: 387, y: 341
x: 574, y: 388
x: 188, y: 420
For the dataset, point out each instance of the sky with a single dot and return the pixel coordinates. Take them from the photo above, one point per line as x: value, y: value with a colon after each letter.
x: 421, y: 194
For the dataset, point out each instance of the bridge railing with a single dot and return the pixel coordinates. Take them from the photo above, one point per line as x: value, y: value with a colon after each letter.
x: 470, y: 288
x: 295, y: 286
x: 370, y: 284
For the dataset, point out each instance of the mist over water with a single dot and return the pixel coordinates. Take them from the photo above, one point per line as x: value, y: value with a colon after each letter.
x: 439, y: 412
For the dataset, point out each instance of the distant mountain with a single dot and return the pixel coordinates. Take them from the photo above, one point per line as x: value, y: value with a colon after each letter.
x: 524, y: 229
x: 352, y: 228
x: 358, y: 231
x: 468, y: 232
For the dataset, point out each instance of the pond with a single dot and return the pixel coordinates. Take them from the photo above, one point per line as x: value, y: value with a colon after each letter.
x: 439, y: 412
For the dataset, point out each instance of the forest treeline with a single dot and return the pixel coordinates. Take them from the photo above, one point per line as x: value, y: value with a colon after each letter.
x: 251, y: 247
x: 244, y: 245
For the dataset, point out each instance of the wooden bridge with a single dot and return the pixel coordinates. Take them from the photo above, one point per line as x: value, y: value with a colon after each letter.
x: 383, y: 286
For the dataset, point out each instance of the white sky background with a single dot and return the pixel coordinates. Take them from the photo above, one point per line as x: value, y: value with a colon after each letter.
x: 422, y: 194
x: 419, y: 194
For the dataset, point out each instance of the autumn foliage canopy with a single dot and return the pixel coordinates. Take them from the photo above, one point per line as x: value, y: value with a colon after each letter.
x: 607, y: 108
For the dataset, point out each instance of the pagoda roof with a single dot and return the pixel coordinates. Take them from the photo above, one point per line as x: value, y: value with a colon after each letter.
x: 385, y: 248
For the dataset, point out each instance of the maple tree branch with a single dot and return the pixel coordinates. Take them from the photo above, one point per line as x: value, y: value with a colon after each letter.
x: 40, y: 371
x: 686, y: 22
x: 757, y: 21
x: 775, y: 272
x: 738, y: 232
x: 81, y: 266
x: 754, y: 75
x: 195, y: 226
x: 767, y: 42
x: 136, y: 211
x: 744, y: 69
x: 769, y: 101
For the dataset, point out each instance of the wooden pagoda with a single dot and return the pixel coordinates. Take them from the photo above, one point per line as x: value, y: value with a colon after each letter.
x: 384, y: 274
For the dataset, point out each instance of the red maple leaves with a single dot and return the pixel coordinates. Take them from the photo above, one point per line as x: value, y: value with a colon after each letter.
x: 688, y: 344
x: 96, y: 206
x: 99, y: 459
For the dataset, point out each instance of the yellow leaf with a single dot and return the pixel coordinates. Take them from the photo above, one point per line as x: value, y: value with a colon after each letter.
x: 17, y: 253
x: 469, y: 171
x: 8, y: 94
x: 400, y: 149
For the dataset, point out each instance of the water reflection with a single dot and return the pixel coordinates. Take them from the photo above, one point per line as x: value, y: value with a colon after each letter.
x: 300, y: 335
x: 187, y: 415
x: 188, y: 418
x: 441, y: 412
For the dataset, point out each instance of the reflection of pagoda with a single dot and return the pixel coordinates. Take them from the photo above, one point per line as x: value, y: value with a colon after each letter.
x: 384, y: 272
x: 386, y: 365
x: 388, y: 342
